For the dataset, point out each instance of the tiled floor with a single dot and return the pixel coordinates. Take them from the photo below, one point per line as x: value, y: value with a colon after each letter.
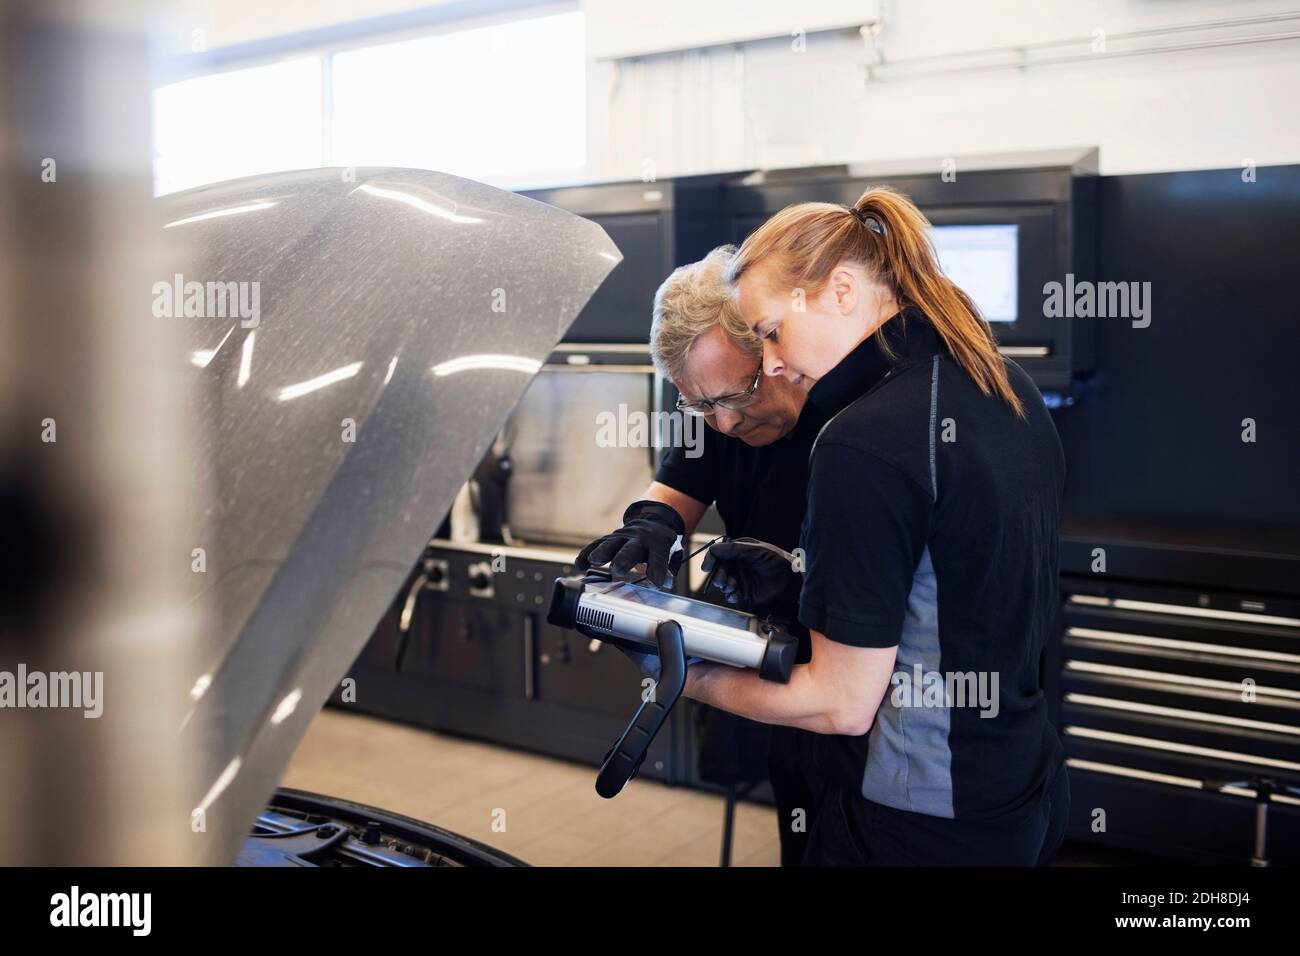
x: 544, y: 811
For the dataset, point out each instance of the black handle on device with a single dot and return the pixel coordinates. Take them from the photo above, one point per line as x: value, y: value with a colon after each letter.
x: 623, y: 761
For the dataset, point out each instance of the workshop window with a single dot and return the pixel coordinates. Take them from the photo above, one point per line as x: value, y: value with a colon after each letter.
x: 503, y: 103
x: 238, y: 123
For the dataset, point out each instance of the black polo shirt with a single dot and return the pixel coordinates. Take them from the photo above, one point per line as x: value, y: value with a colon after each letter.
x: 759, y: 492
x: 931, y: 526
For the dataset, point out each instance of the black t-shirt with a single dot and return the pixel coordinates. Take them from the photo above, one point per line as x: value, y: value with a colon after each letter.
x: 931, y: 525
x: 759, y: 492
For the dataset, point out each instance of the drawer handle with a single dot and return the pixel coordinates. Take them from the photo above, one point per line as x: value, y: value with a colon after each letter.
x: 1145, y: 640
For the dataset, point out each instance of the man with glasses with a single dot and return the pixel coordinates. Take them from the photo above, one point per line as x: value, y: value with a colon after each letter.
x: 753, y: 468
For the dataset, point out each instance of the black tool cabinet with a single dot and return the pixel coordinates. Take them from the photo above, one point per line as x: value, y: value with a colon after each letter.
x: 478, y: 658
x: 1176, y: 702
x: 1199, y: 530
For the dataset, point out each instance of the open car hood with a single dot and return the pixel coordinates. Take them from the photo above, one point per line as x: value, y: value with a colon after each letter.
x: 382, y: 326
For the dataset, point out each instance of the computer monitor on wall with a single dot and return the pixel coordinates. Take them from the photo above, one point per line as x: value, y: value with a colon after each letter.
x: 984, y: 260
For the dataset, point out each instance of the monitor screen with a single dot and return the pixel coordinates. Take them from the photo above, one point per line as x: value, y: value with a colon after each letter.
x: 982, y: 260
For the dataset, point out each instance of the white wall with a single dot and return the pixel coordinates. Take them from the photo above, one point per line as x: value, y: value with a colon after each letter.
x: 618, y: 29
x: 764, y: 105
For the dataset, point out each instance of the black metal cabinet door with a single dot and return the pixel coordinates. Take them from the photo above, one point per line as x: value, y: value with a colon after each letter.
x: 578, y: 672
x: 620, y: 310
x: 466, y: 641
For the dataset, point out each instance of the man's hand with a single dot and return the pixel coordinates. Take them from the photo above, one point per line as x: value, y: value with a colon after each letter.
x: 752, y: 575
x: 651, y: 535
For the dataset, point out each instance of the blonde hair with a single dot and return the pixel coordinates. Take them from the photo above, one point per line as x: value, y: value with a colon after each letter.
x: 692, y: 301
x: 885, y: 233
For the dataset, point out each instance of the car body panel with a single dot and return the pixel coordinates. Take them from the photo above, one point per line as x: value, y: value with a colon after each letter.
x: 381, y: 326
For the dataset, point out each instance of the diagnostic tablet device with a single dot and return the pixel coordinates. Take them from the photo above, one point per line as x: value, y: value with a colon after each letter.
x: 620, y: 611
x: 675, y: 628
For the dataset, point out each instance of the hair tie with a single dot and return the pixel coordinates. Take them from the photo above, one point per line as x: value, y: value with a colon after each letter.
x: 871, y: 222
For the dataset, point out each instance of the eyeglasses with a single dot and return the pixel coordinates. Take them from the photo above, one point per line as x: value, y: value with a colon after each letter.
x: 739, y: 400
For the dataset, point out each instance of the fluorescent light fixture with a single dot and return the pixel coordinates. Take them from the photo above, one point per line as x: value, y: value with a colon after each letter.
x: 287, y: 706
x: 470, y: 363
x: 200, y: 686
x: 246, y: 361
x: 415, y: 202
x: 220, y: 784
x: 217, y: 213
x: 203, y: 357
x: 319, y: 382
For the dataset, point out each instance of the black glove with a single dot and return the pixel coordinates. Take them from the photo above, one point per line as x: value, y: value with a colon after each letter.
x: 753, y: 575
x: 651, y: 535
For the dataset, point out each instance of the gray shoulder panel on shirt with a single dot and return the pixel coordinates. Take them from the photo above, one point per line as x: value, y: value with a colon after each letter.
x: 934, y: 417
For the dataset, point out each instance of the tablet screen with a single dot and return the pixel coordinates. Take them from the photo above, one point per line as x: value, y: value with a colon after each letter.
x: 674, y: 605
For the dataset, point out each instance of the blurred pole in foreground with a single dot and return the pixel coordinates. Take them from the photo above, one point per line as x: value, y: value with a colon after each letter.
x: 97, y: 520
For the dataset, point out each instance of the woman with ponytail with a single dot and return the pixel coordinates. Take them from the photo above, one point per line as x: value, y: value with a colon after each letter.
x: 928, y: 554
